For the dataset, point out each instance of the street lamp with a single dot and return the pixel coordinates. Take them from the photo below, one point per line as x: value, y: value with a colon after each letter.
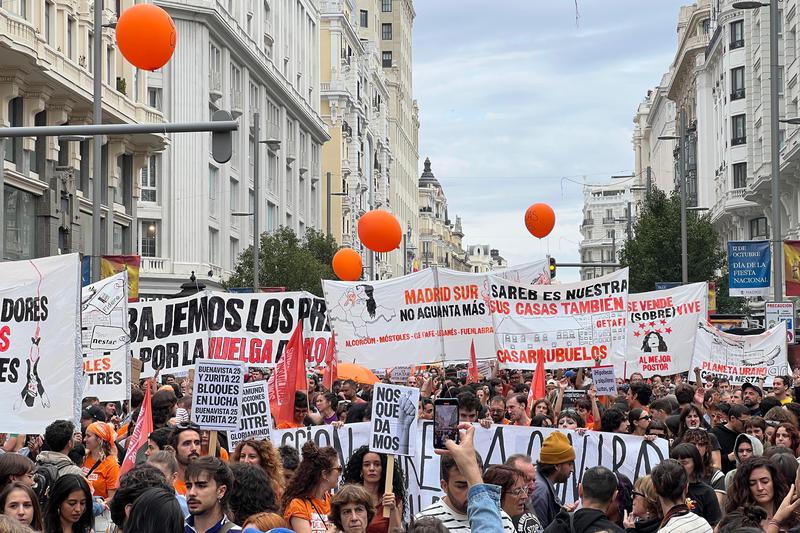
x: 777, y: 249
x: 681, y: 138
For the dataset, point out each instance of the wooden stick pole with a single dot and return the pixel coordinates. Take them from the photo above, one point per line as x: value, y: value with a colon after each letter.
x: 389, y: 486
x: 212, y: 444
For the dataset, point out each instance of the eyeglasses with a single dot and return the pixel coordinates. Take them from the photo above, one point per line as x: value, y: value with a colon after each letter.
x: 520, y: 491
x: 568, y: 412
x: 645, y: 417
x: 637, y: 493
x: 337, y: 468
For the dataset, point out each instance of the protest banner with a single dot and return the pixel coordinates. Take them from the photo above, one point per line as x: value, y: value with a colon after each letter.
x: 791, y: 266
x: 628, y: 455
x: 570, y: 325
x: 217, y: 394
x: 399, y: 374
x: 255, y: 418
x: 534, y: 273
x: 740, y: 358
x: 749, y: 268
x: 775, y: 312
x: 394, y: 419
x: 105, y: 339
x: 604, y: 380
x: 662, y: 329
x: 250, y: 328
x: 40, y: 344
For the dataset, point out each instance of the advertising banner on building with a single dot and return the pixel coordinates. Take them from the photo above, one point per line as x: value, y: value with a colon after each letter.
x: 570, y: 325
x: 740, y: 358
x: 662, y: 329
x: 105, y: 339
x: 40, y: 344
x: 249, y: 328
x: 627, y: 454
x: 748, y: 268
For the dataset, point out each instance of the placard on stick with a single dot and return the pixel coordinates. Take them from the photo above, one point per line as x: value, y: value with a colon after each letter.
x: 217, y: 394
x: 255, y: 418
x: 394, y: 419
x: 604, y: 380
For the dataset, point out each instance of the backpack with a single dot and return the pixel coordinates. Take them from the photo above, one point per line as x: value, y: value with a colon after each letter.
x: 44, y: 477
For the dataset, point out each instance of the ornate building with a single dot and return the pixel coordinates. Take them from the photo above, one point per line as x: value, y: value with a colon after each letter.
x: 440, y: 237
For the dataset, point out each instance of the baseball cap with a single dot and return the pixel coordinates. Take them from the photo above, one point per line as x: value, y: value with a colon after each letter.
x: 569, y: 374
x: 754, y: 387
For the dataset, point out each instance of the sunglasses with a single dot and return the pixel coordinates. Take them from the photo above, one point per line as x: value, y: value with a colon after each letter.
x: 187, y: 425
x: 645, y: 417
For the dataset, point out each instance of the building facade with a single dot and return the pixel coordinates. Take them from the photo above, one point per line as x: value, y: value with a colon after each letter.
x: 256, y: 60
x: 483, y: 258
x: 609, y: 212
x: 654, y: 162
x: 440, y: 237
x: 46, y: 184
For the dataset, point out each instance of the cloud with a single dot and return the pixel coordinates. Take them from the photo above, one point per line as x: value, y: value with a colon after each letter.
x: 514, y: 97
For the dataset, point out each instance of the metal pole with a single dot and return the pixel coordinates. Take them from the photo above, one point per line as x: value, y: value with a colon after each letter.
x: 682, y: 183
x: 613, y: 248
x: 630, y: 220
x: 649, y: 182
x: 97, y: 111
x: 214, y: 126
x: 777, y: 257
x: 328, y: 202
x: 257, y: 198
x: 405, y: 256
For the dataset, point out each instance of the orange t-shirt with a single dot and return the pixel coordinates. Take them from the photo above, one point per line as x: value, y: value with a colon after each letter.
x: 103, y: 478
x: 314, y: 510
x: 179, y: 486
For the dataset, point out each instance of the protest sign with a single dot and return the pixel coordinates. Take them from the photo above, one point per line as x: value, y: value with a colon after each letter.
x: 394, y: 419
x: 534, y: 273
x: 40, y: 345
x: 748, y: 268
x: 400, y: 374
x: 105, y: 339
x: 775, y: 312
x: 217, y: 394
x: 255, y: 419
x: 571, y: 397
x: 604, y: 380
x: 251, y: 328
x: 740, y: 358
x: 628, y: 455
x: 570, y: 325
x: 662, y: 329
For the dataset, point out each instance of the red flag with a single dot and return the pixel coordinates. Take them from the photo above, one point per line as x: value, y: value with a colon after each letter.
x: 331, y: 372
x: 472, y: 367
x: 142, y: 430
x: 538, y: 387
x: 289, y: 377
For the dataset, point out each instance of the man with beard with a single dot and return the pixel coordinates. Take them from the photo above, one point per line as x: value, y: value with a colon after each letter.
x: 497, y: 410
x: 752, y: 395
x: 208, y: 487
x: 556, y: 464
x: 187, y: 441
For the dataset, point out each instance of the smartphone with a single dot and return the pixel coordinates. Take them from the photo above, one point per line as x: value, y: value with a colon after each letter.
x: 445, y: 421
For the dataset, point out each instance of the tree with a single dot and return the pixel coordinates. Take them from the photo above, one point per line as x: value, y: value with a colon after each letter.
x: 288, y: 261
x: 654, y: 253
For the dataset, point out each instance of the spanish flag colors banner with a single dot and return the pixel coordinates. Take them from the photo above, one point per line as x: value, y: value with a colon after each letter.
x: 113, y: 264
x: 791, y: 260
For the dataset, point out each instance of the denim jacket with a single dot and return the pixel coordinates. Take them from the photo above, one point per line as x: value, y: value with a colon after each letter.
x: 484, y: 509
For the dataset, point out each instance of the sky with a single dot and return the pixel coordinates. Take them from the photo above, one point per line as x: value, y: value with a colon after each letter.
x: 519, y: 96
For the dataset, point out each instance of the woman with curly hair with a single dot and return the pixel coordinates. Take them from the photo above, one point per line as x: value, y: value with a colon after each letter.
x: 513, y: 495
x: 263, y: 454
x: 692, y: 417
x: 100, y: 466
x: 711, y: 475
x: 542, y: 407
x: 368, y: 469
x: 786, y: 435
x: 756, y: 482
x: 251, y: 493
x: 646, y: 513
x: 307, y: 501
x: 352, y: 509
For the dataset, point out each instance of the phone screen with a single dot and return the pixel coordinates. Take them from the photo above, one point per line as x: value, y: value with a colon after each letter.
x: 445, y: 422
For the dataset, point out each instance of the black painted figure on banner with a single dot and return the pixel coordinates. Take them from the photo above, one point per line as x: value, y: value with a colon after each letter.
x: 654, y: 342
x: 33, y: 385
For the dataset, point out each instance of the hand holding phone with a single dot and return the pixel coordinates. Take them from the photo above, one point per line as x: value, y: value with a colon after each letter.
x: 445, y: 421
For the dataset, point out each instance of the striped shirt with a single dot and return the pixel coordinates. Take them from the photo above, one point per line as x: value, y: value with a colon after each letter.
x: 688, y: 523
x: 456, y: 522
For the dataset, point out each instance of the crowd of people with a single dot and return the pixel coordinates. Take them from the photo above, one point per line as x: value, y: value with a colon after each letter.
x: 732, y: 465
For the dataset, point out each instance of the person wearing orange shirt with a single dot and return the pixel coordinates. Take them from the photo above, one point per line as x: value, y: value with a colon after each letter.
x: 187, y: 442
x: 100, y: 466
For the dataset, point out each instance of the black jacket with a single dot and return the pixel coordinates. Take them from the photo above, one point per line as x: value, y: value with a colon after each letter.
x: 645, y: 526
x: 584, y: 521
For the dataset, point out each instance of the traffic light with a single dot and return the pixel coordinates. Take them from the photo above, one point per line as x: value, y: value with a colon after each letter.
x: 552, y: 268
x: 221, y: 141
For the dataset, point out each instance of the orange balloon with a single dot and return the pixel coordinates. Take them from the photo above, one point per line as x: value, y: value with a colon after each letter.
x: 347, y: 264
x: 540, y: 220
x: 379, y: 231
x: 146, y: 36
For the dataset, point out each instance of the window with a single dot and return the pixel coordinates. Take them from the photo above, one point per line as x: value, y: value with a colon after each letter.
x: 364, y: 18
x: 70, y: 44
x: 758, y: 228
x: 90, y: 51
x: 48, y: 22
x: 234, y: 251
x: 19, y: 218
x: 118, y: 233
x: 154, y: 97
x: 149, y: 180
x: 386, y: 32
x: 739, y: 175
x: 213, y: 246
x: 387, y: 60
x: 739, y: 133
x: 234, y: 199
x: 109, y: 65
x: 737, y: 34
x: 386, y: 6
x: 737, y: 83
x: 213, y: 176
x: 149, y: 236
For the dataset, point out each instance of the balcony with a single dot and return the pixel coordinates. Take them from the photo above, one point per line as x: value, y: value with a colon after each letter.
x: 346, y: 169
x: 214, y: 85
x: 738, y: 94
x: 609, y: 220
x: 156, y: 265
x: 588, y: 222
x: 303, y: 166
x: 737, y: 141
x: 291, y: 151
x: 237, y: 106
